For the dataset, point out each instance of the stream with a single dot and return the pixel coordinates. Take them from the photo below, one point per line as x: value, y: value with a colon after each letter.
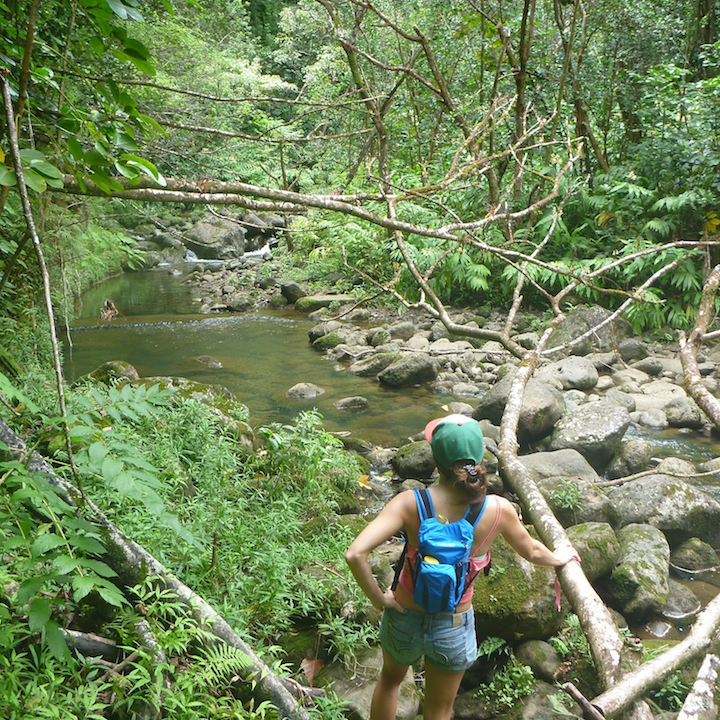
x: 263, y: 354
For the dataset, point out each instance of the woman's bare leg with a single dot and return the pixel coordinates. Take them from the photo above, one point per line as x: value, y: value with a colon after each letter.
x: 440, y: 690
x: 385, y: 697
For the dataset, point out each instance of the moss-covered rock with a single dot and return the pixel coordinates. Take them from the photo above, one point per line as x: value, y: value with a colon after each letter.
x: 110, y: 372
x: 598, y: 547
x: 517, y: 600
x: 414, y: 460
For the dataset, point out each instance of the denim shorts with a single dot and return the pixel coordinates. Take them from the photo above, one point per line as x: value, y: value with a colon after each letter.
x: 447, y: 640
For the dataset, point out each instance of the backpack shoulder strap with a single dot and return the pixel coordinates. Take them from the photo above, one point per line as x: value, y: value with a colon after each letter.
x: 496, y: 522
x: 475, y: 512
x: 424, y: 504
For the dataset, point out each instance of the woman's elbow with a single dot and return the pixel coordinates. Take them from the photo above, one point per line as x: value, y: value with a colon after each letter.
x: 352, y: 556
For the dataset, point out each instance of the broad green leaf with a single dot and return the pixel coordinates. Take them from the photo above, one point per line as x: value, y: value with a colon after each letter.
x: 98, y: 567
x: 81, y: 586
x: 34, y: 181
x: 39, y: 614
x: 124, y: 483
x: 128, y: 172
x: 7, y: 177
x: 105, y: 182
x: 118, y: 8
x: 56, y: 642
x: 97, y: 452
x: 32, y: 586
x: 96, y: 159
x: 46, y: 169
x: 46, y: 542
x: 28, y: 155
x: 65, y: 564
x: 97, y: 44
x: 70, y: 125
x: 87, y: 544
x: 145, y: 166
x: 110, y: 594
x: 124, y: 141
x: 138, y: 48
x: 111, y: 468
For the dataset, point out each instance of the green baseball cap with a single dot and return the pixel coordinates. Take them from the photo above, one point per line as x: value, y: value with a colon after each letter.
x: 453, y: 438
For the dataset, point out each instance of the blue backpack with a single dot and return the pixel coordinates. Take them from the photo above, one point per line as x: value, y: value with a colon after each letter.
x: 440, y: 573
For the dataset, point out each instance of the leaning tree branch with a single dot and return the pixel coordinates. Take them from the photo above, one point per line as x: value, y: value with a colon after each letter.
x: 700, y: 703
x: 637, y: 683
x: 32, y: 232
x: 689, y: 346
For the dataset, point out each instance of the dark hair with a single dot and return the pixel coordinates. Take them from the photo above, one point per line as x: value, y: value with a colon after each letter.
x: 476, y: 493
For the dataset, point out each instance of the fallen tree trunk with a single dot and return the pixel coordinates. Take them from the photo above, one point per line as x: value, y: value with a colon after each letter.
x: 635, y: 684
x: 700, y: 703
x: 606, y: 644
x: 265, y: 684
x: 689, y: 346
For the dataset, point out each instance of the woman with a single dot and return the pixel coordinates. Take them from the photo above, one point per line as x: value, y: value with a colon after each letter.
x: 407, y: 632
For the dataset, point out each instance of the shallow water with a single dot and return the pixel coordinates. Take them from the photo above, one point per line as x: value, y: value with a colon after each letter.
x: 263, y: 354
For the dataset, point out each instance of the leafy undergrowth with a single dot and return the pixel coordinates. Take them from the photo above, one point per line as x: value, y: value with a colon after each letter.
x: 254, y: 533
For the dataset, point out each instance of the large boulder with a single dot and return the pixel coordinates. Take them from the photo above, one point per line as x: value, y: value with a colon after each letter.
x: 694, y: 555
x: 677, y: 508
x: 598, y: 547
x: 542, y: 407
x: 216, y: 239
x: 559, y: 463
x: 574, y: 501
x: 581, y: 321
x: 516, y: 601
x: 304, y: 391
x: 311, y: 303
x: 682, y: 412
x: 373, y: 364
x: 414, y: 460
x: 594, y: 430
x: 633, y: 457
x: 409, y: 370
x: 638, y: 586
x: 572, y: 373
x: 292, y: 292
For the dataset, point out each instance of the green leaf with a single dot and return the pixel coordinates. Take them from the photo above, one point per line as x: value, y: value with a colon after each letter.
x: 111, y: 468
x: 110, y: 594
x: 65, y: 564
x: 97, y: 44
x: 87, y: 544
x: 7, y: 177
x: 46, y: 169
x: 39, y: 614
x: 145, y: 166
x: 124, y: 483
x: 31, y: 587
x: 135, y: 46
x: 56, y: 642
x: 98, y: 567
x: 118, y: 8
x: 81, y: 586
x: 34, y: 181
x: 124, y: 141
x: 28, y: 155
x: 97, y: 452
x: 46, y: 542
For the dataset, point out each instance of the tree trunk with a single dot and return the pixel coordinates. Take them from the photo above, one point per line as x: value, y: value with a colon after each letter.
x: 700, y: 703
x: 689, y: 346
